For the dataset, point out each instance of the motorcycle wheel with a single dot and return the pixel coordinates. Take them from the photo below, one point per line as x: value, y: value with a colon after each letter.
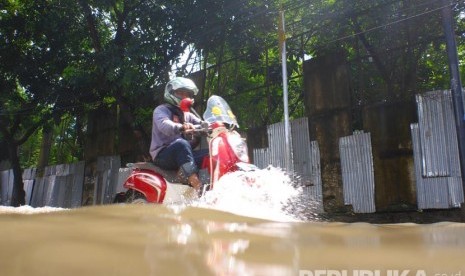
x: 120, y: 198
x: 135, y: 197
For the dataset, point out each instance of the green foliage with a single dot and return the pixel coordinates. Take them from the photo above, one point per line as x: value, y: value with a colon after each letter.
x: 143, y: 117
x: 392, y: 46
x: 61, y: 59
x: 65, y: 148
x: 30, y: 150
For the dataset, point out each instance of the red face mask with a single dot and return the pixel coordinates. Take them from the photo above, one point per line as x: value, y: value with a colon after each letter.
x: 186, y: 104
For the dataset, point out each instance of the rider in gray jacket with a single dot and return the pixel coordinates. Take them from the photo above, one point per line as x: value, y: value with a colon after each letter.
x: 168, y: 148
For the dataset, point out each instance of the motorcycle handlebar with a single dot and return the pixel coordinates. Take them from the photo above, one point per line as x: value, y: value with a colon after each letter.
x: 198, y: 129
x: 203, y: 129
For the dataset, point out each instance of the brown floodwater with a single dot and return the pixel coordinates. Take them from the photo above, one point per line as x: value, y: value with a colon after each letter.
x: 189, y: 240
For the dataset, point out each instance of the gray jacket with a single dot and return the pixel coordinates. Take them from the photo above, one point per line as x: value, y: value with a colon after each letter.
x: 166, y: 127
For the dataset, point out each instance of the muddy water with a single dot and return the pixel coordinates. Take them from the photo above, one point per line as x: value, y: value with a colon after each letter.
x: 176, y: 240
x: 245, y: 226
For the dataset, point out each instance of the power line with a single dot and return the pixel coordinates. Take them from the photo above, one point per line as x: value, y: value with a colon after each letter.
x: 347, y: 13
x: 388, y: 24
x: 291, y: 6
x: 301, y: 3
x: 298, y: 5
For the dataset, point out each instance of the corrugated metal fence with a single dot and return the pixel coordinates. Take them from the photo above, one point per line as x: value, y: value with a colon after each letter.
x: 436, y: 158
x: 357, y: 172
x: 62, y: 185
x: 305, y: 157
x: 436, y: 154
x: 28, y: 180
x: 107, y: 179
x: 6, y: 187
x: 438, y: 145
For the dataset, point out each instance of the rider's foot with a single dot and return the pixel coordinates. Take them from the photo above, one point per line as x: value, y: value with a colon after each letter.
x: 195, y: 182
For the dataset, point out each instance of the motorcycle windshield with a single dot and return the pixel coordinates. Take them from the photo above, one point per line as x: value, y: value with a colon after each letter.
x: 218, y: 110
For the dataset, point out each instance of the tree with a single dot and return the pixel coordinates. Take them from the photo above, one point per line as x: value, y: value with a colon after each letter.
x: 65, y: 57
x: 33, y: 54
x: 395, y: 47
x: 61, y: 61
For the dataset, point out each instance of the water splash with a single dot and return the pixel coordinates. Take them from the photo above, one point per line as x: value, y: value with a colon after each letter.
x: 265, y: 194
x: 28, y: 210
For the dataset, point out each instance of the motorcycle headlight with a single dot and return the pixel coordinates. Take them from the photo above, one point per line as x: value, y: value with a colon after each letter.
x: 239, y: 147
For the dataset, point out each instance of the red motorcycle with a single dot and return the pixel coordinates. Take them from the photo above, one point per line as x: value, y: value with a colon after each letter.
x: 148, y: 183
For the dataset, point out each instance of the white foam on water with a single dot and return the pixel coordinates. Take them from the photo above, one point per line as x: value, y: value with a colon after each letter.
x: 28, y: 210
x: 261, y: 194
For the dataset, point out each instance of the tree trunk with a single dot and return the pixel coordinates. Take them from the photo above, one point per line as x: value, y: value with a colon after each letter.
x: 18, y: 195
x: 47, y: 136
x: 100, y: 141
x: 101, y: 133
x: 127, y: 142
x: 80, y: 136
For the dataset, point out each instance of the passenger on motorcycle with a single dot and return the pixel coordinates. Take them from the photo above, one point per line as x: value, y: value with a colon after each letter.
x: 169, y: 149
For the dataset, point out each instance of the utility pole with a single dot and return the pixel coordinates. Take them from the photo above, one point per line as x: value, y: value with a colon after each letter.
x: 287, y: 133
x: 456, y: 85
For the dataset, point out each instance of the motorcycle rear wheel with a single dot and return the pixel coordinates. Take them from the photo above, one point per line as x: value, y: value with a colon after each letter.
x: 135, y: 197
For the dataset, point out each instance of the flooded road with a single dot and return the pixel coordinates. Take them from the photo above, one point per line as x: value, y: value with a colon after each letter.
x: 217, y: 237
x: 159, y: 240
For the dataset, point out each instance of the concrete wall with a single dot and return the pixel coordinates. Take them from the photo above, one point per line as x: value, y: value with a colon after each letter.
x: 394, y: 170
x: 328, y: 107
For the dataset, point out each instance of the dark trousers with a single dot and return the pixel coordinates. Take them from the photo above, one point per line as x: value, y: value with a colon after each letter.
x: 179, y: 154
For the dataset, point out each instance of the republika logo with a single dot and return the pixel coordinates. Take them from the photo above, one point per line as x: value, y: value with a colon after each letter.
x: 364, y: 272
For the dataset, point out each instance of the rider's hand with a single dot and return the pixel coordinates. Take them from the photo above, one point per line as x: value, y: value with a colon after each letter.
x: 187, y: 126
